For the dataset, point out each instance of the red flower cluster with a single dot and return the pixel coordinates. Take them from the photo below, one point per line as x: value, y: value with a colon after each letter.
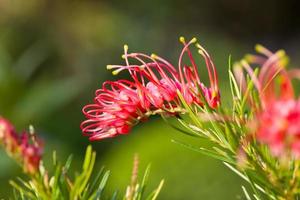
x: 279, y: 127
x: 155, y: 88
x: 277, y: 120
x: 25, y: 148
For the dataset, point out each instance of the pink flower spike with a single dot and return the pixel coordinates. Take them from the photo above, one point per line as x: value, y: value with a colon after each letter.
x: 25, y: 148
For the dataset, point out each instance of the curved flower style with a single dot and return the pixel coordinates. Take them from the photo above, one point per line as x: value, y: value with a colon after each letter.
x: 277, y: 118
x: 25, y: 148
x: 156, y: 88
x: 272, y: 67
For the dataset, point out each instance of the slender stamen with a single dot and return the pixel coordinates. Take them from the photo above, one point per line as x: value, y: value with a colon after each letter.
x: 210, y: 67
x: 261, y: 49
x: 271, y: 66
x: 152, y: 75
x: 192, y: 59
x: 159, y: 68
x: 239, y: 76
x: 169, y: 65
x: 182, y: 40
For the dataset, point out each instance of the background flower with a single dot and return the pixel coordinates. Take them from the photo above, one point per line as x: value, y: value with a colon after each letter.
x: 25, y: 148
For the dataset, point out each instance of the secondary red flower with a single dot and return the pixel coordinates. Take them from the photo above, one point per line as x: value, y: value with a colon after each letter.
x: 279, y: 127
x: 277, y: 118
x: 155, y: 88
x: 25, y: 148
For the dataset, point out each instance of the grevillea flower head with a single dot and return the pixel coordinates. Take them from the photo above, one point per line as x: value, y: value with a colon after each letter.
x: 156, y: 88
x: 277, y: 120
x: 279, y: 127
x: 25, y: 148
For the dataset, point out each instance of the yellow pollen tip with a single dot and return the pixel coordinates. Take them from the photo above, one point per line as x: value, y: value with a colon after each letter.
x: 153, y: 55
x: 284, y: 61
x: 249, y: 58
x: 115, y: 72
x: 244, y: 62
x: 214, y: 94
x: 31, y: 130
x: 142, y: 67
x: 200, y: 52
x: 198, y: 46
x: 259, y: 48
x: 182, y: 40
x: 194, y: 40
x: 280, y: 53
x: 109, y: 67
x: 125, y: 47
x: 123, y: 56
x: 236, y: 65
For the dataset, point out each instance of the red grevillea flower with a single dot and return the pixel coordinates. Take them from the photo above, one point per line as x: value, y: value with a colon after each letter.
x: 279, y: 127
x: 25, y: 148
x: 155, y: 88
x: 277, y: 119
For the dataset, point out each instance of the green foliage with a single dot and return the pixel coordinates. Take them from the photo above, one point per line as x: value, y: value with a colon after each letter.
x: 227, y: 129
x: 86, y: 185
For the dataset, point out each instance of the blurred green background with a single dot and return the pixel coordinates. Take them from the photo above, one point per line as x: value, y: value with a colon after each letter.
x: 53, y: 56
